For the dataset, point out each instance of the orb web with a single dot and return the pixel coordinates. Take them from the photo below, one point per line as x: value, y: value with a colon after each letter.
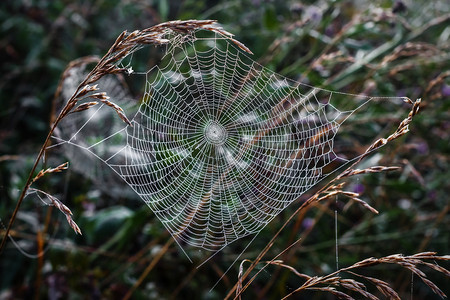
x: 219, y: 144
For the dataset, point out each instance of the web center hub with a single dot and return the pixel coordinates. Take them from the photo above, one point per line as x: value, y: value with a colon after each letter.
x: 215, y: 133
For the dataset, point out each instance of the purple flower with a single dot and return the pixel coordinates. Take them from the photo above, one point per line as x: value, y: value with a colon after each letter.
x: 308, y: 223
x: 422, y: 148
x: 89, y: 208
x: 358, y: 188
x: 446, y: 90
x: 314, y: 14
x: 432, y: 195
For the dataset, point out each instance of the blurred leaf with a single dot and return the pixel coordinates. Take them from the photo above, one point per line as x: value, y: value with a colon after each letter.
x: 163, y: 8
x: 104, y: 224
x: 270, y: 20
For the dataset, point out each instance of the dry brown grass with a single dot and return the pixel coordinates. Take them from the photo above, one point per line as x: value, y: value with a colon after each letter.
x: 53, y: 201
x: 329, y: 282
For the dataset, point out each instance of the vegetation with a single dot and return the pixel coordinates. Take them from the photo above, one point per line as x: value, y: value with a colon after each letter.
x: 377, y: 48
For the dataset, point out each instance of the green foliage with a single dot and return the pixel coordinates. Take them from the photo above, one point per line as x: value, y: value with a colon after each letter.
x: 369, y: 49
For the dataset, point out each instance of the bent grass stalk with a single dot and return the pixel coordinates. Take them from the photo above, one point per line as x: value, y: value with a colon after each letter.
x: 331, y: 189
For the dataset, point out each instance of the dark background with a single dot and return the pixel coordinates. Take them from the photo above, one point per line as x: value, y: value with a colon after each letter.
x: 389, y: 48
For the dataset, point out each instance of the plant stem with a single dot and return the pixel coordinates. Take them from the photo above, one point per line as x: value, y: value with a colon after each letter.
x: 27, y: 185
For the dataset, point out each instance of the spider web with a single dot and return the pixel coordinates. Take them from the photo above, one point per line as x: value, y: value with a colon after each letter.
x: 219, y: 145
